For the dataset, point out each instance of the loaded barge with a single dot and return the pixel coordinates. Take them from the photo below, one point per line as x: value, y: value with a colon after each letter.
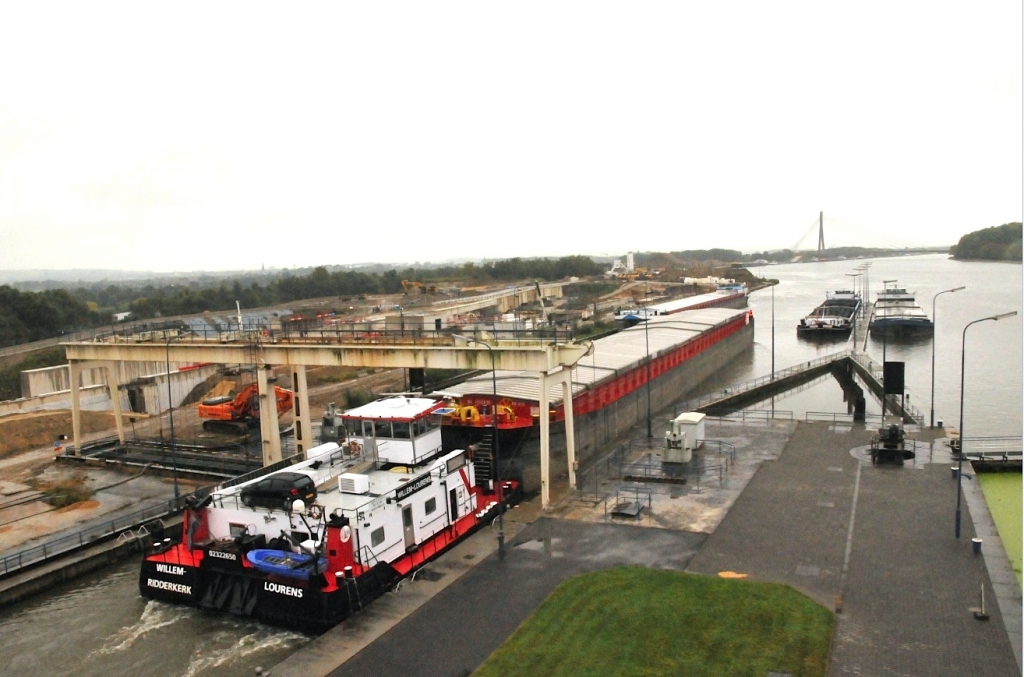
x: 726, y: 296
x: 658, y: 361
x: 304, y: 544
x: 834, y: 317
x: 897, y: 312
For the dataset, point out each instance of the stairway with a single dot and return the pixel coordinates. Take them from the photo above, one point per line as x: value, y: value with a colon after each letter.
x: 483, y: 458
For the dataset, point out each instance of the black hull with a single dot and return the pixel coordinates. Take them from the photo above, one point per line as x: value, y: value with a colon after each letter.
x: 274, y: 600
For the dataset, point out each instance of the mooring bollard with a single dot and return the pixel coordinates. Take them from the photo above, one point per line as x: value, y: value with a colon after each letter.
x: 976, y: 545
x: 955, y: 471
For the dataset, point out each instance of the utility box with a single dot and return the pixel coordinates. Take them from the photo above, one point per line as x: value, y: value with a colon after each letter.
x: 686, y: 435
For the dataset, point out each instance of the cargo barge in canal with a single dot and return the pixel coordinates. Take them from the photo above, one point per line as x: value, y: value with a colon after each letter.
x: 303, y: 545
x: 656, y: 362
x: 834, y: 317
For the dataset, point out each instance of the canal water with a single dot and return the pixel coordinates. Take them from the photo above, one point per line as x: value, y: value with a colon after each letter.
x: 98, y: 625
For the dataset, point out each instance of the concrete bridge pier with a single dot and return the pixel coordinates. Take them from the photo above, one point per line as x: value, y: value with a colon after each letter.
x: 270, y: 430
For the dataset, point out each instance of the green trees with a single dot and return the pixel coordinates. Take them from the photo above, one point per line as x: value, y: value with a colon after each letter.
x: 998, y: 243
x: 31, y: 316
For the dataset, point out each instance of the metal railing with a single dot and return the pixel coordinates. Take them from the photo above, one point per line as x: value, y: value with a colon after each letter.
x: 317, y: 332
x: 749, y: 414
x: 747, y: 386
x: 64, y: 545
x: 812, y: 416
x: 637, y: 494
x: 989, y: 446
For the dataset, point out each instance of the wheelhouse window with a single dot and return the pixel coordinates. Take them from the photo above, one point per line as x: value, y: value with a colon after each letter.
x: 376, y: 537
x: 430, y: 506
x: 383, y: 429
x: 400, y: 430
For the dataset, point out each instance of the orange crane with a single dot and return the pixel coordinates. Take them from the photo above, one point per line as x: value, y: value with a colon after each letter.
x: 229, y: 414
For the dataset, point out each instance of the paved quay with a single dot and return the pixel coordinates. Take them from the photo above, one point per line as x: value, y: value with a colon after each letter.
x: 804, y: 507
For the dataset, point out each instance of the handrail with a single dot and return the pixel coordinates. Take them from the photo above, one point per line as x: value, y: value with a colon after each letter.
x: 66, y: 544
x: 747, y: 386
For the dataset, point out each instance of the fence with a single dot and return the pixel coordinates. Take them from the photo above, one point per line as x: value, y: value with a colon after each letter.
x: 749, y: 414
x: 812, y: 416
x: 761, y: 381
x: 989, y: 446
x: 99, y: 532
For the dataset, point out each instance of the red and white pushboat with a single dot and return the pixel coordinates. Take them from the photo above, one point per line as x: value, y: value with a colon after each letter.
x: 388, y: 501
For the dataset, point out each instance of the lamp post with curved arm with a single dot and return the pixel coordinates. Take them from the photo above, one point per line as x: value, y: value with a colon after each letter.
x: 170, y: 406
x: 931, y: 420
x: 960, y: 454
x: 497, y: 454
x: 885, y: 343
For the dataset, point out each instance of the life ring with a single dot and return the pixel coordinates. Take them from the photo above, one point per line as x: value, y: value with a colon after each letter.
x: 316, y: 511
x: 355, y: 448
x: 346, y: 533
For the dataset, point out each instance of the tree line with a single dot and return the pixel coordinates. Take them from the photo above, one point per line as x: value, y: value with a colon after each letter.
x: 998, y: 243
x: 27, y: 316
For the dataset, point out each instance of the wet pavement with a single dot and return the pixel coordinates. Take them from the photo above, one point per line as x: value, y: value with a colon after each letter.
x: 798, y: 506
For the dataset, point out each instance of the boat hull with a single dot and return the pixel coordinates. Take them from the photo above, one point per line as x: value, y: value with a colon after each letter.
x: 898, y: 327
x: 303, y: 605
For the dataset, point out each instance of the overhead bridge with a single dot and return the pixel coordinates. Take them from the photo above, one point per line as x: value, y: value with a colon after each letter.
x: 547, y: 355
x: 843, y: 365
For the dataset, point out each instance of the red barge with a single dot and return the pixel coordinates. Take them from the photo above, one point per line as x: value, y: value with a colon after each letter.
x: 673, y: 352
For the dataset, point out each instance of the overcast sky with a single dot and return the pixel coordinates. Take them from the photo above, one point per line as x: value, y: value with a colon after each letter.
x: 189, y: 136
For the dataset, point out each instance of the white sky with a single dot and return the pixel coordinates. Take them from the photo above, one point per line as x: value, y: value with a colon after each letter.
x: 187, y: 136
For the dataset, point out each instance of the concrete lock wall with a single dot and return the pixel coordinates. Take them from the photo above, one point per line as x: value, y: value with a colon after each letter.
x: 92, y: 398
x: 36, y: 382
x: 597, y: 429
x: 150, y: 393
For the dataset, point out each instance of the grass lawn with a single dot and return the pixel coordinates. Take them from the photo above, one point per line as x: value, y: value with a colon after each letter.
x: 636, y: 621
x: 1003, y: 494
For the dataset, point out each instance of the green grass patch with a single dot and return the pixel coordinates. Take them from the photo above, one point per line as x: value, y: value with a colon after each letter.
x: 1003, y: 494
x: 644, y: 622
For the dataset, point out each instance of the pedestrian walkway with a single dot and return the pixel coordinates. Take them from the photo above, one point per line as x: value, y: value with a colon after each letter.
x: 874, y: 543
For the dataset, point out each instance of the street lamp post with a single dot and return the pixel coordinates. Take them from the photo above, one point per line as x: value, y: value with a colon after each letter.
x: 854, y: 318
x: 885, y: 342
x: 170, y: 406
x: 960, y: 454
x: 647, y: 347
x: 931, y: 423
x: 497, y: 454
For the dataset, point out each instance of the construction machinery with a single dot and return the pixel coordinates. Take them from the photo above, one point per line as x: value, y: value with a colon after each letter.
x: 236, y: 414
x: 414, y: 285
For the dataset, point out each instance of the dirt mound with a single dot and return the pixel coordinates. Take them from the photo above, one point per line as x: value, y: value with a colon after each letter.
x: 23, y: 432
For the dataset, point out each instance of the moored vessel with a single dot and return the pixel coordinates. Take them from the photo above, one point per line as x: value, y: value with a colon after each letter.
x: 644, y: 367
x: 834, y: 317
x: 387, y: 500
x: 896, y: 312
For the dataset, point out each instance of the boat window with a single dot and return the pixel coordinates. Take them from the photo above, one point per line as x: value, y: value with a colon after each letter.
x: 456, y: 462
x: 383, y: 428
x: 237, y: 530
x: 299, y: 536
x: 430, y: 506
x: 376, y: 537
x: 400, y: 430
x: 367, y: 429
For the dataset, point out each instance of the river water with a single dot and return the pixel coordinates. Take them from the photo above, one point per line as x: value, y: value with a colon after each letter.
x: 99, y: 625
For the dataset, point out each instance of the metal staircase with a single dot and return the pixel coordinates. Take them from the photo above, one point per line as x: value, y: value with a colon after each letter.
x: 483, y: 458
